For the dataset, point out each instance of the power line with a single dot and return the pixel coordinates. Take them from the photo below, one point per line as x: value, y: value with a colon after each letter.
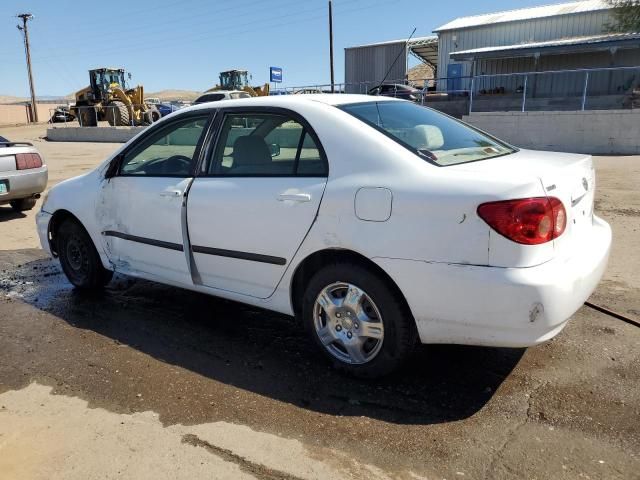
x: 146, y: 45
x: 145, y: 33
x: 136, y: 31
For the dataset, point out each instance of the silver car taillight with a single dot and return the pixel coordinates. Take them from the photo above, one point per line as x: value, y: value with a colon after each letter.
x: 26, y: 161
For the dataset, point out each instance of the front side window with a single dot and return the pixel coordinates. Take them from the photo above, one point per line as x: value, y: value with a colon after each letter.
x: 169, y: 152
x: 433, y: 136
x: 265, y: 145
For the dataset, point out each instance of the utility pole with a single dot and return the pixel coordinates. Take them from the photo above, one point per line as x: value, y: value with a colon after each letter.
x: 331, y: 45
x: 25, y: 17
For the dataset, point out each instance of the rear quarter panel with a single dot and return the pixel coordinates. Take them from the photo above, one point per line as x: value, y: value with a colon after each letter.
x: 433, y: 215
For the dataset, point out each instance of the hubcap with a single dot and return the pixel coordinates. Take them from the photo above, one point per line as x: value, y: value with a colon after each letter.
x: 348, y: 323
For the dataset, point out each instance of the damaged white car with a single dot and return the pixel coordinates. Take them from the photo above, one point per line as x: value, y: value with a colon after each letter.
x: 377, y: 222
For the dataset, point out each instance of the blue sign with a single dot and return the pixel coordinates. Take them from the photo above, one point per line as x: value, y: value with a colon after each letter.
x: 276, y: 74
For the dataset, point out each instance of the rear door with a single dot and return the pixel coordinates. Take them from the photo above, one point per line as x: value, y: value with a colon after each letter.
x: 255, y: 200
x: 140, y: 209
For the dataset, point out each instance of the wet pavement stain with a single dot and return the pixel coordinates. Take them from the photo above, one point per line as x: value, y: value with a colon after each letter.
x: 194, y: 359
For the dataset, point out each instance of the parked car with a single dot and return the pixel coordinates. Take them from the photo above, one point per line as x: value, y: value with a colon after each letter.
x: 23, y: 175
x: 62, y: 114
x: 152, y: 101
x: 377, y: 222
x: 307, y: 91
x: 167, y: 108
x: 221, y: 95
x: 397, y: 90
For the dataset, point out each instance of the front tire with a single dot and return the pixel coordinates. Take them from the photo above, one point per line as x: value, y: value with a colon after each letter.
x: 23, y: 204
x: 79, y: 258
x: 117, y: 114
x: 357, y: 320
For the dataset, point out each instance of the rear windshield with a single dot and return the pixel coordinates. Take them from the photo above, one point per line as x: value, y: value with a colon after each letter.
x: 435, y: 137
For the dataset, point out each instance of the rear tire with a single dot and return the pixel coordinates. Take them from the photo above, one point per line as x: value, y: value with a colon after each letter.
x: 117, y: 114
x: 369, y: 332
x: 23, y: 204
x: 79, y: 258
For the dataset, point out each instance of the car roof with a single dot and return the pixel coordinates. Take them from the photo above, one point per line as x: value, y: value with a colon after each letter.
x: 288, y: 101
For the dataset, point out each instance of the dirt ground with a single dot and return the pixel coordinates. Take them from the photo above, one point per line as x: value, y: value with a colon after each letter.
x: 148, y: 381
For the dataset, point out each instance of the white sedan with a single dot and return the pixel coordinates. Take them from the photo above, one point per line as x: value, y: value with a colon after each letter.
x: 377, y: 222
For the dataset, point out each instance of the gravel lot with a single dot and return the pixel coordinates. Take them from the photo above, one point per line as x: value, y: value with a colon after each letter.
x: 147, y: 381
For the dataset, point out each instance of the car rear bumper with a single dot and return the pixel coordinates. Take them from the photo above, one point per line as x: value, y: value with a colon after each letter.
x: 505, y: 307
x: 24, y: 183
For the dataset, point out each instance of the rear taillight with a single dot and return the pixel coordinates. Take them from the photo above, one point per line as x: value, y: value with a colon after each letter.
x: 25, y: 161
x: 530, y: 221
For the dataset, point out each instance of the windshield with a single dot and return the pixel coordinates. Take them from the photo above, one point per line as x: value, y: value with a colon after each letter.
x: 432, y: 135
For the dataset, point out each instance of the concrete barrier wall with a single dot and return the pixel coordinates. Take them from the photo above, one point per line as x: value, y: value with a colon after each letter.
x: 614, y: 132
x: 108, y: 134
x: 93, y: 134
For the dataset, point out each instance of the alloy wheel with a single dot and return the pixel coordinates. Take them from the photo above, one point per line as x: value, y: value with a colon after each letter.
x: 348, y: 323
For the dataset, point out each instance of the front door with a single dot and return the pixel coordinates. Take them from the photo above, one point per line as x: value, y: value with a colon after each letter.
x: 140, y: 209
x: 255, y: 203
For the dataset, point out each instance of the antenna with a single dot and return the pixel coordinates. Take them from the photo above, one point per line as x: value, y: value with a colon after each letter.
x: 397, y: 57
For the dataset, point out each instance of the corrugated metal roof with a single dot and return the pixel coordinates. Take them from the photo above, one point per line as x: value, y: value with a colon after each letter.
x: 587, y: 40
x: 418, y: 40
x: 525, y: 14
x: 425, y: 48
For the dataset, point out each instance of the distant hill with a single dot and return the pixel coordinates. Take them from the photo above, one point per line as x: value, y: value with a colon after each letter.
x: 418, y: 74
x: 163, y: 95
x: 168, y: 95
x: 10, y: 99
x: 5, y: 99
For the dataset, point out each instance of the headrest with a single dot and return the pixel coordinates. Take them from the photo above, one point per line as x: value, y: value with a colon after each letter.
x: 426, y: 137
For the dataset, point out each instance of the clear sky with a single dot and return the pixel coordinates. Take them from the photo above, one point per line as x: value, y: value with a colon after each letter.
x: 170, y: 44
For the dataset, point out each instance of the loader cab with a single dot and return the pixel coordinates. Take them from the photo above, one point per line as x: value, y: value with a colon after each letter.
x: 101, y: 79
x: 234, y: 80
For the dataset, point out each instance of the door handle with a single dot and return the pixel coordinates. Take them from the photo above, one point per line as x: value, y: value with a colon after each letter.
x: 294, y: 197
x: 171, y: 193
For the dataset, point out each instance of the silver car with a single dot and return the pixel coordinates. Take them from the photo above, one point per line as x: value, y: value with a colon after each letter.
x: 23, y: 174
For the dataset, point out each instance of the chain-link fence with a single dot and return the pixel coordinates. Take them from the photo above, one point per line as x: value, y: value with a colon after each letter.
x: 578, y: 89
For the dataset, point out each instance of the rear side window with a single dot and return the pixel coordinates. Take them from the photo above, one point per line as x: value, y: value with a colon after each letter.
x: 212, y: 97
x: 435, y: 137
x: 257, y: 145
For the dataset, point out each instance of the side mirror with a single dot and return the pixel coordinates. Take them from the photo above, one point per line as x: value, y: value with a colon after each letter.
x: 114, y: 166
x: 275, y: 149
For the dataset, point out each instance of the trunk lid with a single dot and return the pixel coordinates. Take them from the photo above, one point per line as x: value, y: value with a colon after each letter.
x: 566, y: 176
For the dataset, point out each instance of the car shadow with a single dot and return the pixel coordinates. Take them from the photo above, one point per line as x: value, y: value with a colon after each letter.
x: 7, y: 213
x: 265, y: 352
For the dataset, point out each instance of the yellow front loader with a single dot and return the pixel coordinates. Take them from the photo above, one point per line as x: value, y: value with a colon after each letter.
x: 108, y: 98
x: 238, y: 80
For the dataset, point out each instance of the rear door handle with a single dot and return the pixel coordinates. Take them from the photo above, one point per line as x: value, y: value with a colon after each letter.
x: 171, y: 193
x: 294, y: 197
